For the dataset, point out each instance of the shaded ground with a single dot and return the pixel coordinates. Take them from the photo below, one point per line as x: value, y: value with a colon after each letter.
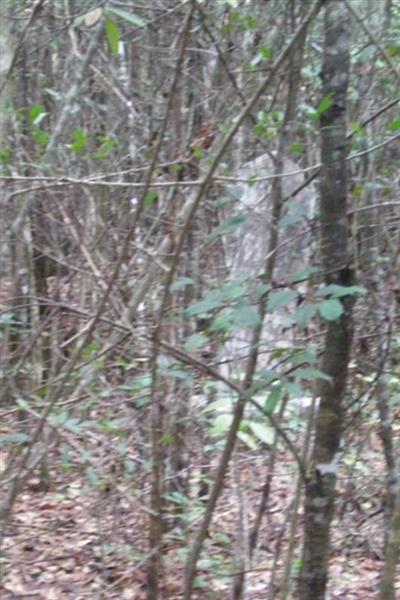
x: 86, y: 536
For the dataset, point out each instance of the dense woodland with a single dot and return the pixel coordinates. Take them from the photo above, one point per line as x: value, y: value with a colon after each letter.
x: 200, y: 299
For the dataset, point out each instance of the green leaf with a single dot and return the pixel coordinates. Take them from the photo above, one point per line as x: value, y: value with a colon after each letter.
x: 293, y: 388
x: 330, y: 310
x: 305, y: 313
x: 357, y: 128
x: 279, y: 299
x: 204, y: 306
x: 248, y: 440
x: 200, y: 582
x: 80, y: 140
x: 167, y: 439
x: 6, y: 154
x: 262, y: 432
x: 181, y: 283
x: 273, y: 400
x: 266, y: 51
x: 40, y: 137
x: 245, y: 316
x: 126, y: 16
x: 338, y: 291
x: 113, y: 36
x: 325, y: 104
x: 297, y: 148
x: 198, y: 152
x: 217, y: 298
x: 107, y: 144
x: 218, y: 405
x: 195, y: 341
x: 220, y: 425
x: 36, y: 114
x: 311, y: 374
x: 264, y: 380
x: 223, y: 321
x: 300, y: 356
x: 394, y: 125
x: 150, y: 198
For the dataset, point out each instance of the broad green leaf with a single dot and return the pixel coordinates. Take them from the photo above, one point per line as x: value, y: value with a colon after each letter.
x: 232, y: 290
x: 279, y: 299
x: 204, y: 306
x: 217, y: 298
x: 338, y: 291
x: 40, y: 137
x: 195, y: 341
x: 330, y: 310
x: 224, y: 321
x: 198, y: 152
x: 311, y: 373
x: 167, y: 439
x: 126, y: 16
x: 200, y: 582
x: 273, y: 400
x: 36, y: 114
x: 394, y: 125
x: 325, y: 104
x: 297, y: 148
x: 150, y: 198
x: 263, y: 381
x: 220, y: 425
x: 107, y: 144
x: 248, y: 440
x: 302, y: 274
x: 266, y: 51
x: 218, y: 405
x: 300, y: 356
x: 262, y: 432
x: 293, y: 388
x: 181, y: 283
x: 113, y: 36
x: 245, y: 316
x: 6, y: 154
x: 80, y: 140
x: 305, y: 313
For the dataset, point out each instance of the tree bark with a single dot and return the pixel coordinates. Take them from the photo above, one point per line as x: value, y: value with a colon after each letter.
x: 320, y: 487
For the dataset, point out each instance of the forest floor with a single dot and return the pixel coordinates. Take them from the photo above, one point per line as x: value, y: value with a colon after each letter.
x: 86, y: 536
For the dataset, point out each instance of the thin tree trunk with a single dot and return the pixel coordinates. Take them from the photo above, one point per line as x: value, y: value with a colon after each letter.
x: 392, y: 553
x: 320, y: 488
